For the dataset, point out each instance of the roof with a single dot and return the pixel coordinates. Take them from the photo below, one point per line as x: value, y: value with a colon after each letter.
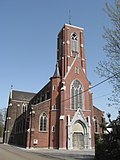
x: 69, y: 25
x: 98, y: 109
x: 23, y: 96
x: 57, y: 72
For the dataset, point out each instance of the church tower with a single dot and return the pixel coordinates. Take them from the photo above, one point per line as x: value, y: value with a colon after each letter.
x: 75, y: 104
x: 70, y: 45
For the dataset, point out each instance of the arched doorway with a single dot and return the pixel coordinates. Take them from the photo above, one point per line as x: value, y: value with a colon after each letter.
x: 78, y: 136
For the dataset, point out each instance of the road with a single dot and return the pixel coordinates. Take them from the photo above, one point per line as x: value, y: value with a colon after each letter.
x: 8, y: 152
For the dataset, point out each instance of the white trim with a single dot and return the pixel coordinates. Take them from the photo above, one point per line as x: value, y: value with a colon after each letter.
x: 70, y: 67
x: 68, y: 42
x: 8, y: 118
x: 20, y: 101
x: 10, y: 105
x: 63, y: 88
x: 74, y: 26
x: 62, y: 117
x: 81, y: 45
x: 79, y: 116
x: 53, y: 129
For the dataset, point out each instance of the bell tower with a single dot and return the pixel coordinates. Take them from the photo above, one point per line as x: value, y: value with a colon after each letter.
x: 70, y: 44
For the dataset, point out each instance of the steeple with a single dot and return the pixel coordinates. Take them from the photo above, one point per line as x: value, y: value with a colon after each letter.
x: 57, y: 72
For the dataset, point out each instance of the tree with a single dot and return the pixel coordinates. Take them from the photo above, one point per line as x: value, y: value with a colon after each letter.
x: 2, y: 120
x: 107, y: 145
x: 1, y: 125
x: 110, y: 67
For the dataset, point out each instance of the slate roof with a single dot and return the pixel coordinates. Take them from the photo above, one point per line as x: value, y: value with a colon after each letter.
x: 57, y: 72
x: 22, y: 96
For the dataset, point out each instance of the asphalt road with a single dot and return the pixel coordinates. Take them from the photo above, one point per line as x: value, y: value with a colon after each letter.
x: 8, y: 152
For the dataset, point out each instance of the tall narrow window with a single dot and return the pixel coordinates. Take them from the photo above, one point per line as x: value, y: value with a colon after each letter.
x: 43, y: 122
x: 60, y: 47
x: 96, y: 126
x: 77, y: 70
x: 72, y: 99
x: 76, y: 95
x: 74, y: 42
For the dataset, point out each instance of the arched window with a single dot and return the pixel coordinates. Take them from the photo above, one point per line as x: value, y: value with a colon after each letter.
x: 43, y: 122
x: 96, y: 125
x: 24, y: 108
x: 74, y: 42
x: 76, y: 95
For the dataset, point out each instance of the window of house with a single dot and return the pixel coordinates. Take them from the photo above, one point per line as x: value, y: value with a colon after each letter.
x: 74, y: 42
x: 76, y: 95
x: 43, y: 122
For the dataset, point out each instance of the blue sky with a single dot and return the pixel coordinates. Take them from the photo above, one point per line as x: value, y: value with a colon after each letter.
x: 28, y: 41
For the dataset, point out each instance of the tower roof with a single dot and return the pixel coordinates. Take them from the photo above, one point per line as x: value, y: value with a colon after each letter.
x: 69, y: 25
x: 57, y: 72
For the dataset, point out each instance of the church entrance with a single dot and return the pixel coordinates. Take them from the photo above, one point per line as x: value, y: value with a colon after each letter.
x: 78, y: 136
x: 78, y: 140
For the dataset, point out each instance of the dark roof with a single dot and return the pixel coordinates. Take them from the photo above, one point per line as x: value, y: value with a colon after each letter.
x: 57, y: 72
x: 22, y: 96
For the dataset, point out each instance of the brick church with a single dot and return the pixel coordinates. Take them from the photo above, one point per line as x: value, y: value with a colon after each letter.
x: 61, y: 115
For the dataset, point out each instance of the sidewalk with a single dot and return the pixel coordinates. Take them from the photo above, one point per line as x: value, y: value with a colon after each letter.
x: 65, y: 154
x: 56, y: 154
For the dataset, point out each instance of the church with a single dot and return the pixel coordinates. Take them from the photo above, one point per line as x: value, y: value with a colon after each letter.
x: 61, y: 115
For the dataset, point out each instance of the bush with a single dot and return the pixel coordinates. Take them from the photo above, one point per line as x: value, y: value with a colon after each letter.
x: 107, y: 146
x: 1, y: 130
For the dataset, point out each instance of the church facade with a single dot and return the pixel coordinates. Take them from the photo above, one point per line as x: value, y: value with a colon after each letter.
x: 61, y: 115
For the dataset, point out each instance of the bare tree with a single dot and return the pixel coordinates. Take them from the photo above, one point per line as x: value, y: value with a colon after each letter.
x: 111, y: 65
x: 2, y: 120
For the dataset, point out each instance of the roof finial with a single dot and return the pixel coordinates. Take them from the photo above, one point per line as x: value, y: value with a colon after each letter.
x: 11, y: 91
x: 11, y: 86
x: 69, y: 16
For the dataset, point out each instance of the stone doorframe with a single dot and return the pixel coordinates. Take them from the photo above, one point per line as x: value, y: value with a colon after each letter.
x: 79, y: 117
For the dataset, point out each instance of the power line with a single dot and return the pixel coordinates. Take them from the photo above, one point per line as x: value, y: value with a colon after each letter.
x: 93, y: 86
x: 103, y: 81
x: 102, y: 96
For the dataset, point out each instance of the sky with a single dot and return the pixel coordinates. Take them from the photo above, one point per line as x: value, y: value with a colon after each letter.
x: 28, y: 42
